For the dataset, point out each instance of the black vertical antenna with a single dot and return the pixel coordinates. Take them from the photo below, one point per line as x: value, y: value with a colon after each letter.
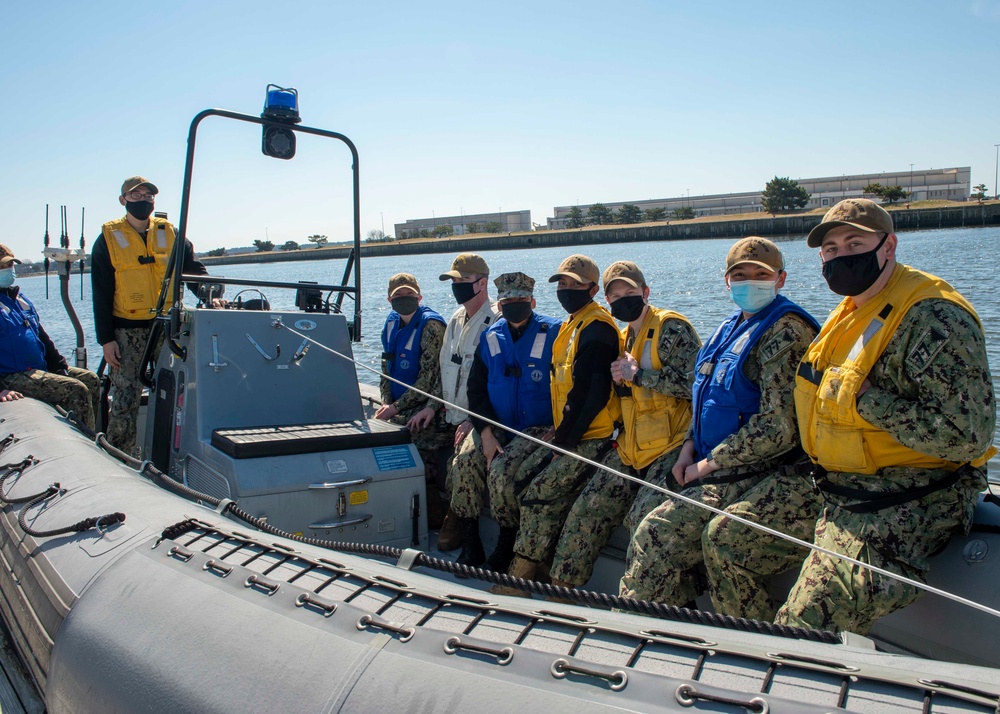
x: 46, y: 254
x: 83, y: 248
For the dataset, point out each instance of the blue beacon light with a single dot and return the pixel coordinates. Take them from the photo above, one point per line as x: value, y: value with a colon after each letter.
x: 280, y: 105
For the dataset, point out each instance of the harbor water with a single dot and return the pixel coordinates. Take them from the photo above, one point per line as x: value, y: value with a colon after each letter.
x: 686, y: 276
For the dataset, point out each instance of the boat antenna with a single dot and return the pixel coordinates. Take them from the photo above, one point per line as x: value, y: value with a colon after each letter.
x: 83, y: 247
x: 46, y: 253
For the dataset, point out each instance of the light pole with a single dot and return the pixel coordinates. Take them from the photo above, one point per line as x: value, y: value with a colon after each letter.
x: 383, y: 222
x: 996, y: 172
x: 911, y: 180
x: 688, y: 197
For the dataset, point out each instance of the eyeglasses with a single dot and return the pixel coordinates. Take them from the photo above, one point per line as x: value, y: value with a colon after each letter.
x: 140, y: 196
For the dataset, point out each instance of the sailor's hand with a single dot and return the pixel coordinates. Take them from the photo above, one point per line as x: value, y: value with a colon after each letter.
x: 548, y: 436
x: 627, y: 367
x: 113, y: 355
x: 616, y: 371
x: 421, y: 419
x: 219, y: 303
x: 9, y: 395
x: 386, y: 412
x: 491, y: 447
x: 862, y: 389
x: 696, y: 471
x: 462, y: 431
x: 684, y: 459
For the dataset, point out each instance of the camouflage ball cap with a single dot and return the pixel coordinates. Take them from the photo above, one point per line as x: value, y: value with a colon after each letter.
x: 860, y: 213
x: 580, y: 268
x: 514, y: 285
x: 134, y: 182
x: 466, y: 265
x: 755, y: 250
x: 403, y: 280
x: 7, y: 257
x: 626, y: 271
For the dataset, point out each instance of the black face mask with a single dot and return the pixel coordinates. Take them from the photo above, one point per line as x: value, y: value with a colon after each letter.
x: 628, y: 308
x: 516, y: 312
x: 405, y: 305
x: 851, y: 275
x: 573, y: 300
x: 463, y: 292
x: 139, y: 209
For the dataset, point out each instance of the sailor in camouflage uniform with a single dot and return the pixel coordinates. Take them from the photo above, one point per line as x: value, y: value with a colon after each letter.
x: 743, y: 422
x: 411, y: 346
x: 509, y: 384
x: 652, y: 378
x: 896, y: 412
x: 30, y: 364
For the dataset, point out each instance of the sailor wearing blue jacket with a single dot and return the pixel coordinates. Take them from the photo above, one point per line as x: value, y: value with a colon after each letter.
x: 743, y: 421
x: 30, y: 364
x: 508, y: 383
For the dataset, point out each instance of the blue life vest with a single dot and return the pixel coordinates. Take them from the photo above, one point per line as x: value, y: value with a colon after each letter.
x: 401, y: 346
x: 20, y: 347
x: 518, y: 384
x: 722, y: 397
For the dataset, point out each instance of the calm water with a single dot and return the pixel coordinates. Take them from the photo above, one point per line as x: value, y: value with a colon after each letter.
x: 685, y: 276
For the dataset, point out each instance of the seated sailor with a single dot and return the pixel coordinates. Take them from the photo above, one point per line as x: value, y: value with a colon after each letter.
x: 509, y: 384
x: 743, y: 421
x: 30, y: 364
x: 896, y: 413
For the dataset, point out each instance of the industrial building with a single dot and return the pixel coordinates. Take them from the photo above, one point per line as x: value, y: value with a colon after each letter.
x: 952, y: 184
x: 509, y: 222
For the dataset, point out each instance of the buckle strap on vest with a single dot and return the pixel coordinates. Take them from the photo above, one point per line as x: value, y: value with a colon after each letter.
x: 733, y: 475
x: 872, y: 501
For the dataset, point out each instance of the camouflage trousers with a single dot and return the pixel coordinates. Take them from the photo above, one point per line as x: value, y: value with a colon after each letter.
x: 605, y: 503
x: 467, y: 471
x: 547, y: 485
x: 833, y: 594
x: 501, y: 477
x: 666, y: 546
x: 739, y: 559
x: 124, y: 412
x: 78, y: 393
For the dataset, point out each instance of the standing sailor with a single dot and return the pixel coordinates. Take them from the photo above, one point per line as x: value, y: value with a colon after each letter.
x: 509, y: 384
x: 583, y: 412
x: 652, y: 379
x: 743, y: 422
x: 30, y: 364
x: 896, y: 412
x: 127, y: 266
x: 469, y: 276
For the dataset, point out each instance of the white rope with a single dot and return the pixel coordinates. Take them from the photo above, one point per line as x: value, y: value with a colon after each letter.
x: 666, y: 491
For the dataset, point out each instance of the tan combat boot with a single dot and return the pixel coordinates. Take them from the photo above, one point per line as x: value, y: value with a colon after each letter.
x: 449, y: 537
x: 522, y: 568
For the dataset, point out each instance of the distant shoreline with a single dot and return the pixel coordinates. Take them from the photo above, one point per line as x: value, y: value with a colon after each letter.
x: 971, y: 215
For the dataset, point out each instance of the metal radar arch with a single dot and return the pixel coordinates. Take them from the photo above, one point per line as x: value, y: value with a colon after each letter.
x: 279, y: 123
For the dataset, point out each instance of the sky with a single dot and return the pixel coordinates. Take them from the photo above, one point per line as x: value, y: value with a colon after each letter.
x: 460, y: 107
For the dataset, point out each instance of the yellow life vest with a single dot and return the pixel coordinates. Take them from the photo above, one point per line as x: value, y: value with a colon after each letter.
x: 654, y: 423
x: 139, y: 266
x: 837, y: 363
x: 563, y: 355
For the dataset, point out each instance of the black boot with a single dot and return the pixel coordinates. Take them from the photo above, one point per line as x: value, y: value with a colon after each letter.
x: 499, y: 560
x: 472, y: 547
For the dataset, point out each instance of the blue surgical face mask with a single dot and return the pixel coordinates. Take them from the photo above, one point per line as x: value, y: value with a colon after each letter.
x: 752, y: 295
x: 7, y: 277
